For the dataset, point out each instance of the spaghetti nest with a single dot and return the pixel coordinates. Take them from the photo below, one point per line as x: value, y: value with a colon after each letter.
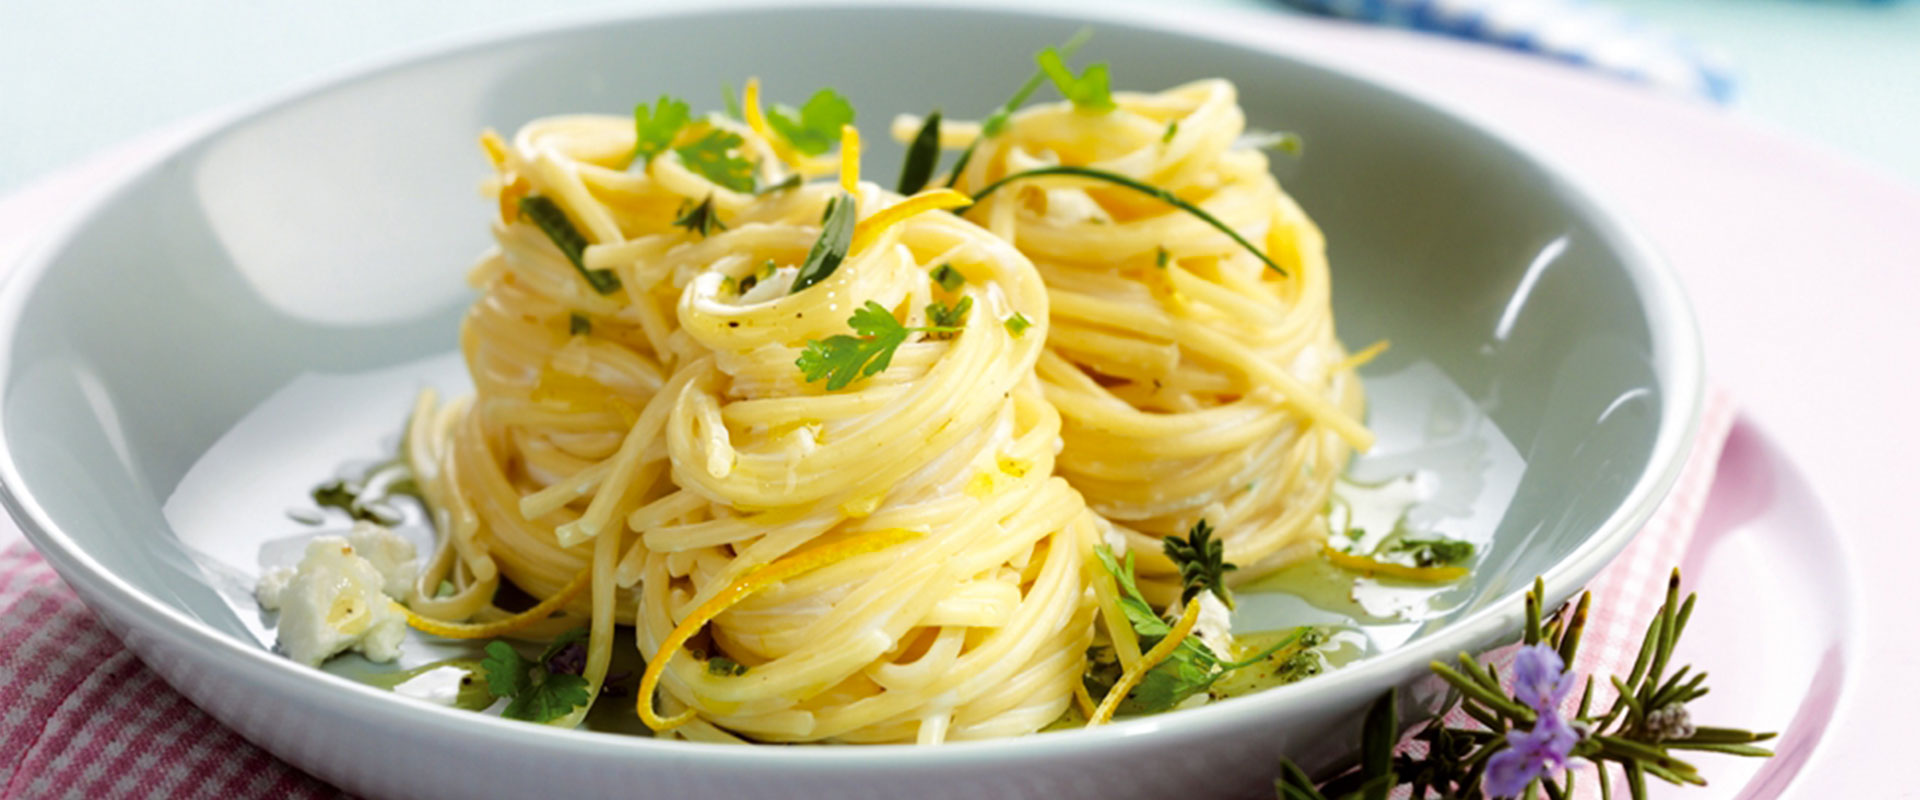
x: 1195, y: 379
x: 659, y: 438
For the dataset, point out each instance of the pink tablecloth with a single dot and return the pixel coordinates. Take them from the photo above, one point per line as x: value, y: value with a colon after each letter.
x: 81, y: 717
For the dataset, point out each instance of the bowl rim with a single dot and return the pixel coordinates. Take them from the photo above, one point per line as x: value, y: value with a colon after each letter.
x: 1676, y: 353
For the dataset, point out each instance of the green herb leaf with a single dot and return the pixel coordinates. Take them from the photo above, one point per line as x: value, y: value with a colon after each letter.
x: 842, y: 359
x: 505, y: 670
x: 941, y: 315
x: 1190, y: 670
x: 836, y: 237
x: 1147, y: 189
x: 1088, y: 91
x: 1173, y: 129
x: 578, y: 324
x: 1431, y: 552
x: 701, y: 219
x: 552, y: 221
x: 1284, y: 141
x: 922, y: 156
x: 948, y: 277
x: 533, y: 693
x: 654, y: 128
x: 1018, y: 323
x: 790, y: 182
x: 1202, y: 563
x: 1160, y: 261
x: 725, y: 667
x: 715, y: 156
x: 815, y: 127
x: 997, y: 121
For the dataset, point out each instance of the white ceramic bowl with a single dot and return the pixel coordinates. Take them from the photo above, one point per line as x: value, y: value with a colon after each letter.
x: 324, y: 233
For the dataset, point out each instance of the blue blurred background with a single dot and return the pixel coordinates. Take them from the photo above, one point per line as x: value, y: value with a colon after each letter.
x: 79, y: 75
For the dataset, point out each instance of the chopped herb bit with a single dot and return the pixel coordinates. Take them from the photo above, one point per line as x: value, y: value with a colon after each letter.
x: 941, y: 315
x: 746, y: 283
x: 1284, y: 141
x: 922, y: 156
x: 1173, y: 129
x: 1432, y: 552
x: 534, y: 693
x: 790, y: 182
x: 842, y: 359
x: 566, y: 653
x: 446, y: 589
x: 1018, y: 323
x: 715, y: 157
x: 552, y: 221
x: 836, y: 238
x: 578, y: 324
x: 1160, y: 257
x: 1202, y: 563
x: 948, y: 277
x: 1147, y: 189
x: 815, y: 127
x: 725, y: 667
x: 701, y: 219
x: 654, y: 128
x: 1088, y: 91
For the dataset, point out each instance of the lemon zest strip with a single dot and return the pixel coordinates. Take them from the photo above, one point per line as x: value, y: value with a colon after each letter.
x: 1134, y: 674
x: 501, y: 627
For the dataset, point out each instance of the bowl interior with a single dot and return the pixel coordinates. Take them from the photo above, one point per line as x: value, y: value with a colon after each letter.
x: 328, y: 236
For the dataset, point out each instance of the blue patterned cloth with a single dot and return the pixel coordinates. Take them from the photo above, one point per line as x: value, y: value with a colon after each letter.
x: 1575, y: 31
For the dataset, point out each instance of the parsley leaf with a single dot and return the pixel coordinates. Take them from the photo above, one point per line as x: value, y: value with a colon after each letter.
x: 1088, y: 91
x: 1018, y: 323
x: 948, y: 277
x: 1202, y: 562
x: 836, y: 238
x: 655, y: 128
x: 842, y: 359
x: 815, y: 127
x: 922, y: 156
x: 547, y: 215
x: 534, y: 693
x: 715, y: 157
x: 701, y: 219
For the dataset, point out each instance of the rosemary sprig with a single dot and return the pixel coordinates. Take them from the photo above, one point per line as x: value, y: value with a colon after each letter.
x: 1525, y: 745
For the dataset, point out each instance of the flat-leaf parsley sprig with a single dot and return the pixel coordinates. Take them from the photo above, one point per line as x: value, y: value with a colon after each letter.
x: 842, y: 359
x: 542, y: 689
x: 1525, y: 744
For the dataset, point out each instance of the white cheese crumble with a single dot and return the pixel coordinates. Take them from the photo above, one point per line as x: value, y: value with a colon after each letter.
x: 337, y: 598
x: 1215, y: 626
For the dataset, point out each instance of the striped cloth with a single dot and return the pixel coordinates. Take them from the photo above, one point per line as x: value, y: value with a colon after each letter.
x: 80, y: 717
x: 1575, y: 31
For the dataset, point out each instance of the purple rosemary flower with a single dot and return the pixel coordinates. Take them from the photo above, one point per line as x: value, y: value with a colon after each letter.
x: 1540, y: 679
x: 1530, y: 755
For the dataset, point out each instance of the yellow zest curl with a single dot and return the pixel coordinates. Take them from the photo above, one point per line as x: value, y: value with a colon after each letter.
x: 1134, y: 674
x: 757, y: 120
x: 503, y: 627
x: 870, y: 228
x: 849, y: 158
x: 753, y: 580
x: 1349, y: 561
x: 1360, y: 359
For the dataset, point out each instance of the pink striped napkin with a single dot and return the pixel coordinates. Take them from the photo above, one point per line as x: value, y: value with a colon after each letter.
x: 81, y: 717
